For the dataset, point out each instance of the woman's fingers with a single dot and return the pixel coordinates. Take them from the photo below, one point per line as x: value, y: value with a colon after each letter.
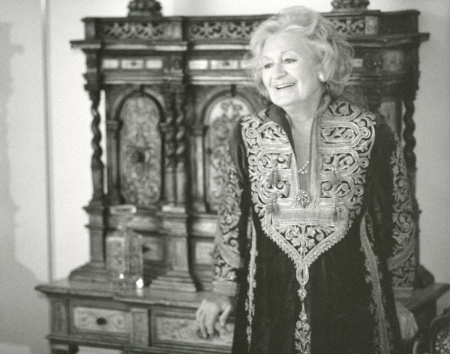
x: 208, y: 314
x: 210, y: 320
x: 200, y: 316
x: 224, y: 316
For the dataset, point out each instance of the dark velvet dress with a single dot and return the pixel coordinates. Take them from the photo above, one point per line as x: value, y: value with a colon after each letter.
x: 315, y: 262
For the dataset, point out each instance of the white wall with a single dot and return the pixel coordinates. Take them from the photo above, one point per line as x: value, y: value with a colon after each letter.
x: 71, y: 119
x: 23, y: 200
x: 23, y: 193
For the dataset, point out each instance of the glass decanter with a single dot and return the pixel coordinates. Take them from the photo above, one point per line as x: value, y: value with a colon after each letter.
x: 124, y: 257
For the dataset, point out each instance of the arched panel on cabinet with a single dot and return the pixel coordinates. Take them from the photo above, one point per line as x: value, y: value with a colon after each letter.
x: 220, y: 114
x: 135, y: 147
x: 217, y: 108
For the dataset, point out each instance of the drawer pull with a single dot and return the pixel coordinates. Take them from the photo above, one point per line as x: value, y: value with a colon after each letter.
x: 101, y: 321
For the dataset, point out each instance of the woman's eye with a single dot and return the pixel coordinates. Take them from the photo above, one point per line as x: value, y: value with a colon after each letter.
x: 267, y: 66
x: 289, y: 60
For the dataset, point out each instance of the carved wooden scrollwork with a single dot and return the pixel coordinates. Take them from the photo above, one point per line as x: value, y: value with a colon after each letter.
x: 219, y: 118
x: 222, y: 29
x: 137, y: 30
x: 350, y: 26
x: 140, y: 151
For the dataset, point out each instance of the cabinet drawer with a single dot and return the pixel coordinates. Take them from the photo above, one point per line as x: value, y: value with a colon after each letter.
x: 105, y: 324
x: 180, y: 328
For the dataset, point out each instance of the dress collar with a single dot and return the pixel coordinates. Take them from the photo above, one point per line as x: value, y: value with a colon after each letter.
x: 277, y: 114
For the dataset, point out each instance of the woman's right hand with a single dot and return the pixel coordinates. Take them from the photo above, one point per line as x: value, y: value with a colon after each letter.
x: 213, y: 309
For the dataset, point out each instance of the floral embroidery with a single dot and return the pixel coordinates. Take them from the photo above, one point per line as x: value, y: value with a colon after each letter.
x: 227, y: 257
x: 382, y: 333
x: 249, y: 303
x: 442, y: 343
x: 402, y: 263
x: 303, y: 333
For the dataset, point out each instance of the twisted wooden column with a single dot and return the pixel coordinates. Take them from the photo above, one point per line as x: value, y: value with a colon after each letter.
x: 97, y: 165
x: 168, y: 130
x: 408, y: 98
x: 180, y: 153
x: 95, y: 270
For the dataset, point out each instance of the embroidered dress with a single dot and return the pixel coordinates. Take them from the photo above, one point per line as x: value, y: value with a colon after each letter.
x: 315, y: 276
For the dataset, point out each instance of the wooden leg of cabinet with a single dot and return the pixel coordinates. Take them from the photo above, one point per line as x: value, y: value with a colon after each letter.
x: 60, y: 348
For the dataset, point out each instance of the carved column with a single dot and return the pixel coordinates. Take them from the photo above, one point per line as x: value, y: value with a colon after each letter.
x: 95, y: 269
x: 408, y: 98
x: 168, y: 131
x: 97, y: 166
x: 174, y: 213
x: 112, y: 143
x: 198, y: 171
x: 180, y: 153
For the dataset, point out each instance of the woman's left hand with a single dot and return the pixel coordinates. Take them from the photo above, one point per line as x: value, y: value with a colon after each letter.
x: 213, y: 309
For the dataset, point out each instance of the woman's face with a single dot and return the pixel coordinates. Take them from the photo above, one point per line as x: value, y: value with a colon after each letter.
x: 289, y: 71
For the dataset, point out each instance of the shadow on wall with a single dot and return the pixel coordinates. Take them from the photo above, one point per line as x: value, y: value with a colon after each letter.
x: 23, y: 315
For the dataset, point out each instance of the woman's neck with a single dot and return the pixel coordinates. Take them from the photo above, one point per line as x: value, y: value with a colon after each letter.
x: 303, y: 113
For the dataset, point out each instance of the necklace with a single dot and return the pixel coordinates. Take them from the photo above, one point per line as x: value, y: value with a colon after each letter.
x: 304, y: 169
x: 303, y: 197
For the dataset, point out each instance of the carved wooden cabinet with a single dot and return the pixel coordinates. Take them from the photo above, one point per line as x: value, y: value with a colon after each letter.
x: 173, y: 86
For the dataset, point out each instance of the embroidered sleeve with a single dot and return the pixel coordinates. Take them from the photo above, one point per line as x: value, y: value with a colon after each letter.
x: 397, y: 214
x: 231, y: 228
x: 402, y: 261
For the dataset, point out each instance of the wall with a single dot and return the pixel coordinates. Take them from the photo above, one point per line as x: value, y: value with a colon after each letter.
x: 23, y: 188
x: 24, y: 206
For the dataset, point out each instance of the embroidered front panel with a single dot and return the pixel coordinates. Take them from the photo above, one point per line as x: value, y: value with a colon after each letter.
x: 402, y: 263
x: 344, y: 140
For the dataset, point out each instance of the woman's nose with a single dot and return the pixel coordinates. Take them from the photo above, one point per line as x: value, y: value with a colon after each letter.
x: 278, y: 71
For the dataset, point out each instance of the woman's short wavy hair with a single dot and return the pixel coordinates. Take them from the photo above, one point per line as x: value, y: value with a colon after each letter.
x: 327, y: 45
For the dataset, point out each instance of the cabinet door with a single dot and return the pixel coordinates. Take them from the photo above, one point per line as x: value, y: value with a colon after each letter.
x: 140, y: 151
x: 220, y: 116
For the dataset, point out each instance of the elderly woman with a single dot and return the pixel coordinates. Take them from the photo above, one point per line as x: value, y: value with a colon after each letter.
x: 316, y: 220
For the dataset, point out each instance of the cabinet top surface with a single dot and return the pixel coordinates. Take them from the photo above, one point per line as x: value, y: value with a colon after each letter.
x: 91, y: 290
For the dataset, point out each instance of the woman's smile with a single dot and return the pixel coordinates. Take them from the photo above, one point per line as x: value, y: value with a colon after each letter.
x: 283, y: 86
